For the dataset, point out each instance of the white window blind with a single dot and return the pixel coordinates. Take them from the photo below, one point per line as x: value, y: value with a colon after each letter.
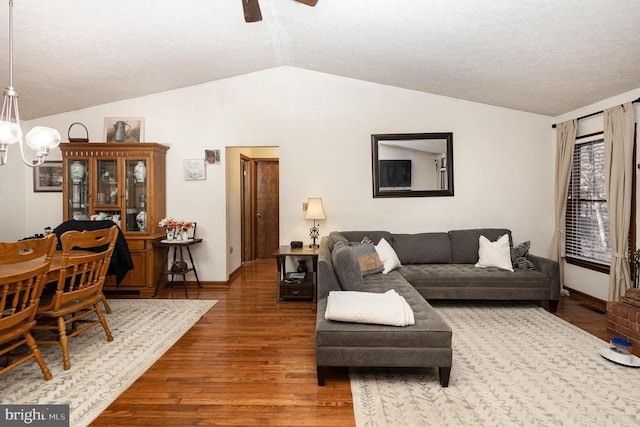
x: 587, y: 221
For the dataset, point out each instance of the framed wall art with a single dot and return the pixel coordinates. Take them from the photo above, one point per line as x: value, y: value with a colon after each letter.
x: 194, y: 169
x: 124, y: 129
x: 212, y: 156
x: 48, y: 177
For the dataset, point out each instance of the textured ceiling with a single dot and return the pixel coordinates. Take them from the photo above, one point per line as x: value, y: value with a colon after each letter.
x: 542, y: 56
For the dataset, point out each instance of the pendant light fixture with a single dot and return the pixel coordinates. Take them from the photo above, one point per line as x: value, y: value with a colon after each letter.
x: 41, y: 139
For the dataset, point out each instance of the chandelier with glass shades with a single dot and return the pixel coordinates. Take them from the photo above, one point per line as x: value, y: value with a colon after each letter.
x: 41, y: 139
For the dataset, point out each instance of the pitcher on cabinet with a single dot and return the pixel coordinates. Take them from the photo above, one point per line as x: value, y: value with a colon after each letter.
x: 121, y: 128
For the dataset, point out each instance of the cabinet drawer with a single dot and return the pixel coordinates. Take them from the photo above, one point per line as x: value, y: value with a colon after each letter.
x: 135, y: 245
x: 296, y: 290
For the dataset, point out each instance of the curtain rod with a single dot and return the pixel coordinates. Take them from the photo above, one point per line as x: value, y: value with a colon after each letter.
x: 596, y: 113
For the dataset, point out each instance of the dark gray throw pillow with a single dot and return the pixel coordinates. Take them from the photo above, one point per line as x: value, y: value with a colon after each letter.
x: 368, y: 259
x: 345, y: 264
x: 519, y: 256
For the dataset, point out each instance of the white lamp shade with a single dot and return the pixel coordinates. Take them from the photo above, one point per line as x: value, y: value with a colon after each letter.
x: 43, y: 137
x: 10, y: 132
x: 315, y: 209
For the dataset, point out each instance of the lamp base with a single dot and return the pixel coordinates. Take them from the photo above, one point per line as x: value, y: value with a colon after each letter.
x: 314, y: 234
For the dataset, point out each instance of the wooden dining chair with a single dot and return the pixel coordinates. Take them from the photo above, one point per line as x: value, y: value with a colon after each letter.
x: 23, y: 271
x: 85, y: 260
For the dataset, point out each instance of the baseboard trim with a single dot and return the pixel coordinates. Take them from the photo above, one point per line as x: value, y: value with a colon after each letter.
x: 234, y: 273
x: 600, y: 304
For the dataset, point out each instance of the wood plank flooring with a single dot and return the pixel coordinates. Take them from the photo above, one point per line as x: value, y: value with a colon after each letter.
x: 251, y: 361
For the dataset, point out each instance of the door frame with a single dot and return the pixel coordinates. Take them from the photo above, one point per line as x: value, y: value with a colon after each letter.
x: 247, y: 208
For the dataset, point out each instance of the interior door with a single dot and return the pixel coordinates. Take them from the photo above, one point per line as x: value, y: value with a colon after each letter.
x: 267, y: 207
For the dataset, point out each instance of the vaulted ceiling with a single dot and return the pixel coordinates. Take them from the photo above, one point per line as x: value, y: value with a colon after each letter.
x: 542, y: 56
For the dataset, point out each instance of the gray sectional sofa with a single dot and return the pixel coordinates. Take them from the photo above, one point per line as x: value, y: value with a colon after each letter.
x: 434, y: 266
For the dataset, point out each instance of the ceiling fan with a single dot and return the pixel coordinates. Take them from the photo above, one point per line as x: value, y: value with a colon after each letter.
x: 252, y: 9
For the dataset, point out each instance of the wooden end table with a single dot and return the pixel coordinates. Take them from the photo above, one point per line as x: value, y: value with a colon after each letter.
x: 296, y: 289
x: 178, y: 246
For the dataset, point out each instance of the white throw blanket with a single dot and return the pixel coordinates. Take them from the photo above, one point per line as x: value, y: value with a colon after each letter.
x: 388, y: 308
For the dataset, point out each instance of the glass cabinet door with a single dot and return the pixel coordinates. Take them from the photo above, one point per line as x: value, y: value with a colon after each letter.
x: 107, y: 184
x: 107, y: 202
x: 136, y: 195
x: 77, y: 190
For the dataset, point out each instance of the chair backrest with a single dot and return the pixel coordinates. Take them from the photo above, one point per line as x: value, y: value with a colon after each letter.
x: 23, y: 266
x: 85, y: 261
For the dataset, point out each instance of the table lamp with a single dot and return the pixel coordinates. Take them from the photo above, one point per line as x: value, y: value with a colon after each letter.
x: 315, y: 212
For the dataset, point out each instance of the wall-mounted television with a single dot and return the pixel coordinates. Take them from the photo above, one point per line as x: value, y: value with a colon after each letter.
x: 395, y: 173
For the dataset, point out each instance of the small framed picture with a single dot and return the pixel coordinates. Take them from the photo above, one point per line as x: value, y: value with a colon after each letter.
x: 194, y: 169
x: 47, y: 177
x: 212, y: 156
x: 124, y: 129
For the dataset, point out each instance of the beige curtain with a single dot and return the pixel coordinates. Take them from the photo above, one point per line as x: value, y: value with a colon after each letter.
x: 618, y: 150
x: 565, y: 141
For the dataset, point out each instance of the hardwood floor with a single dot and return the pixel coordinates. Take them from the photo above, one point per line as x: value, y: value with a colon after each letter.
x: 251, y: 361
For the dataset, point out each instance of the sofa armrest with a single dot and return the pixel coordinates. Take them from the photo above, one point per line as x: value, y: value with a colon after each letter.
x: 550, y: 268
x: 327, y: 279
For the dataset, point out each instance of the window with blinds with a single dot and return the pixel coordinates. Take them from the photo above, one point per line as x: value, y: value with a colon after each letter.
x: 587, y: 221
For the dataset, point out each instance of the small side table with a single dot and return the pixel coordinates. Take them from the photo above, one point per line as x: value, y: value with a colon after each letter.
x: 182, y: 267
x: 304, y: 289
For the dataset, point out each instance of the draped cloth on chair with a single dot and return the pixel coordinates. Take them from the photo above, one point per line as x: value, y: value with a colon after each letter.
x: 619, y: 125
x: 566, y: 140
x: 121, y: 261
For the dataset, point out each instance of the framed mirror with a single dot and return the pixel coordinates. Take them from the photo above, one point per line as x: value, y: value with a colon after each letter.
x: 412, y: 164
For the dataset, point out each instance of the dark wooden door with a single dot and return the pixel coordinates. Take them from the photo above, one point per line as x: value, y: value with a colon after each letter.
x: 267, y: 214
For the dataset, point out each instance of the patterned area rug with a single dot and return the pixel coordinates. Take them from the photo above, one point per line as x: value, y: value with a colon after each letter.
x: 512, y: 366
x: 143, y: 330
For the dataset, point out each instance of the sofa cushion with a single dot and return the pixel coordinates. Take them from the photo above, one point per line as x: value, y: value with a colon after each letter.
x: 388, y: 256
x: 450, y: 276
x: 495, y: 254
x: 465, y: 243
x: 345, y: 264
x: 423, y: 248
x: 335, y: 237
x: 374, y: 236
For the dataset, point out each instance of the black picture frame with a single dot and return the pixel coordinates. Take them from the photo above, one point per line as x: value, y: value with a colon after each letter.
x: 48, y: 178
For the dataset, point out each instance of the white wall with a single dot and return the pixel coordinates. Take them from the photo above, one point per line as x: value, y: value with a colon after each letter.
x: 582, y: 279
x: 322, y: 124
x: 15, y: 187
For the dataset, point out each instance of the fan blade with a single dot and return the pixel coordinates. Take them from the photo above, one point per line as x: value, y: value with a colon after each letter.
x: 308, y: 2
x: 251, y: 11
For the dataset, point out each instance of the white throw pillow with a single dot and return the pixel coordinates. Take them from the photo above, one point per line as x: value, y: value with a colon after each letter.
x: 388, y: 256
x: 495, y: 254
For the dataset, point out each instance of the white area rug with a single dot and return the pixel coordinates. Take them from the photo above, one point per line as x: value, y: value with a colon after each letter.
x: 512, y: 366
x: 143, y: 330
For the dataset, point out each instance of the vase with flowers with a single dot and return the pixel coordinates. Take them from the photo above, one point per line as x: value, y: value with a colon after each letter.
x: 169, y: 224
x: 177, y: 229
x: 183, y: 228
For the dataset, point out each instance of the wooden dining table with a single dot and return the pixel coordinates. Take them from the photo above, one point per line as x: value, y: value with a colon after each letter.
x: 50, y: 283
x: 54, y: 268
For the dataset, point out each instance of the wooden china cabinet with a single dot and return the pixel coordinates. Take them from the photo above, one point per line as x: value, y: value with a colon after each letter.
x: 124, y: 182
